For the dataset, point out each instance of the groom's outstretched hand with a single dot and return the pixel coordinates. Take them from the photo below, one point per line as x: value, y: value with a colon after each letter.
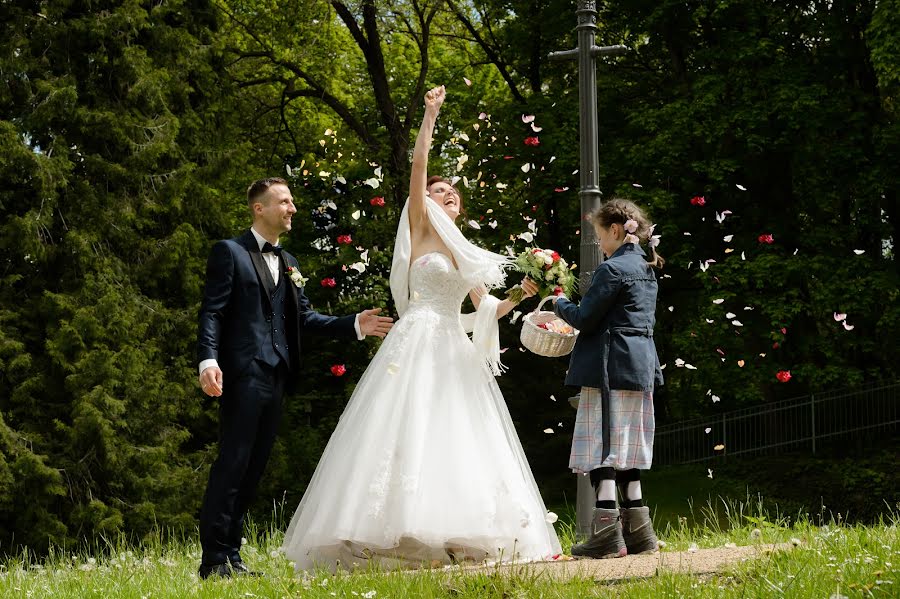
x: 211, y: 381
x: 372, y: 324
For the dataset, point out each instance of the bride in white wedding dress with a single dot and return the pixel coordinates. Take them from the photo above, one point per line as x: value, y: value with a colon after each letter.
x: 424, y: 466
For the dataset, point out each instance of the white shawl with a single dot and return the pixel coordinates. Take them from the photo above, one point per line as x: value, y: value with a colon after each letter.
x: 477, y: 267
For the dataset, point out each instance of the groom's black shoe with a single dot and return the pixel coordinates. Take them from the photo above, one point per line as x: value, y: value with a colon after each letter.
x: 239, y: 568
x: 214, y: 571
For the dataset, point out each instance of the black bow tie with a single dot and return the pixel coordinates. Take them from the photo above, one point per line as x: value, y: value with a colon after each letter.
x: 268, y: 247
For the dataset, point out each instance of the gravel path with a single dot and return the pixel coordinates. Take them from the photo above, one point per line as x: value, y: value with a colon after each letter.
x: 702, y: 561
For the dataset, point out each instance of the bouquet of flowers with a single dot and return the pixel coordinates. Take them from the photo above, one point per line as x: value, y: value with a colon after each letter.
x: 546, y: 268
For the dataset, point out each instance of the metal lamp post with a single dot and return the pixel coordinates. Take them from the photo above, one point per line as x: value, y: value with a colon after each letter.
x: 589, y: 192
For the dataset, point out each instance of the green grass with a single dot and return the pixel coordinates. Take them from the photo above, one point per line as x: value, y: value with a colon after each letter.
x: 831, y: 560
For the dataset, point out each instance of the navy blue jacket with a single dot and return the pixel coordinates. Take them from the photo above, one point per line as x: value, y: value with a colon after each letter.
x: 615, y: 321
x: 236, y: 312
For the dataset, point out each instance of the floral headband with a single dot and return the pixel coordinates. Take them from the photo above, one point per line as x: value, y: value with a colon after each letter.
x: 631, y: 228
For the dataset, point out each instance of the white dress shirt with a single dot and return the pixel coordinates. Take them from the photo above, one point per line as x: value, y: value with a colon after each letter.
x: 274, y: 264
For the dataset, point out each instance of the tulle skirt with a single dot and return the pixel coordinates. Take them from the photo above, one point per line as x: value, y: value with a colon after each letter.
x: 424, y: 466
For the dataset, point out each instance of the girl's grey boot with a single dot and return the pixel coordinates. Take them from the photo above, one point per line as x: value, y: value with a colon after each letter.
x: 606, y: 537
x: 637, y: 530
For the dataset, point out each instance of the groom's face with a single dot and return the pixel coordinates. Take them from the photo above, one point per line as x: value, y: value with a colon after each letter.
x: 275, y: 209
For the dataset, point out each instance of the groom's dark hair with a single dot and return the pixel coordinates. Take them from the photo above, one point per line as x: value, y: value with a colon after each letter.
x: 260, y: 187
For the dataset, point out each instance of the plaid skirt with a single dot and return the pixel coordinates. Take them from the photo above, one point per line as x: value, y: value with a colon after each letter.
x: 617, y: 434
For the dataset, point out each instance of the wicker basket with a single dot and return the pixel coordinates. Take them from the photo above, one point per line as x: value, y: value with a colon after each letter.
x: 541, y: 341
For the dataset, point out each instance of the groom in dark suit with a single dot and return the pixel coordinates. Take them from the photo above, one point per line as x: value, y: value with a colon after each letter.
x: 251, y: 319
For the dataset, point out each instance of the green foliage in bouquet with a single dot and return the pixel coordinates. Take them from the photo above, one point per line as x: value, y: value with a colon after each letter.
x: 546, y: 268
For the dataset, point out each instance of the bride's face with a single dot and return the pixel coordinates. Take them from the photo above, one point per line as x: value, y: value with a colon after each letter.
x: 447, y: 197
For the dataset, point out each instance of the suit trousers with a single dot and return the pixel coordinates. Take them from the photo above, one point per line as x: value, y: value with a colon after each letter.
x: 250, y: 411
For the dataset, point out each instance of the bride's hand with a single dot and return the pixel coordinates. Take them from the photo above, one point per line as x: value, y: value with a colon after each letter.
x: 529, y: 287
x: 434, y: 98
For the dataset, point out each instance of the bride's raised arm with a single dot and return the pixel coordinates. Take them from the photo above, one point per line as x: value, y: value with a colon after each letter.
x: 418, y: 217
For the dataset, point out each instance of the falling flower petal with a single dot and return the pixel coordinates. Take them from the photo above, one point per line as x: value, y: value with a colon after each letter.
x: 679, y: 362
x: 526, y: 167
x: 716, y: 399
x: 551, y: 518
x: 718, y: 301
x: 553, y: 397
x: 728, y: 238
x: 468, y: 82
x: 289, y: 172
x: 690, y: 367
x: 527, y: 118
x: 741, y: 363
x: 730, y: 315
x: 838, y: 316
x: 474, y: 224
x: 338, y: 370
x: 536, y: 129
x: 719, y: 447
x: 372, y: 182
x: 859, y: 252
x: 741, y: 187
x: 549, y: 431
x: 709, y: 472
x: 636, y: 185
x: 707, y: 430
x: 356, y: 215
x: 709, y: 320
x: 848, y: 326
x: 783, y: 375
x: 737, y: 323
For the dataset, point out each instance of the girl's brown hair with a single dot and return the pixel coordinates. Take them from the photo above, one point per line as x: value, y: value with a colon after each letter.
x: 619, y: 211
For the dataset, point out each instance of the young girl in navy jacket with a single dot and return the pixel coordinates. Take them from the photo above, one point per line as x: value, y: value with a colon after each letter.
x: 616, y: 366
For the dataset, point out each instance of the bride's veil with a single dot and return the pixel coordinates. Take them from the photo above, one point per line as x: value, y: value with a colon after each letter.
x: 476, y: 265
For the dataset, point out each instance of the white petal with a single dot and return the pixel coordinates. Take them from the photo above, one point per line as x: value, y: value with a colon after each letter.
x: 372, y: 182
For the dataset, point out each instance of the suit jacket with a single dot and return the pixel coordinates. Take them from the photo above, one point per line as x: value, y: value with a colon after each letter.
x: 615, y: 321
x: 236, y: 312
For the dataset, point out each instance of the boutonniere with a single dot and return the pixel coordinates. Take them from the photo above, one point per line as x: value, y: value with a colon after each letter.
x: 298, y: 279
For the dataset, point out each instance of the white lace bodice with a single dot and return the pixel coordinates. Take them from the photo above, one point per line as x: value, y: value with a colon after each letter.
x: 436, y: 286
